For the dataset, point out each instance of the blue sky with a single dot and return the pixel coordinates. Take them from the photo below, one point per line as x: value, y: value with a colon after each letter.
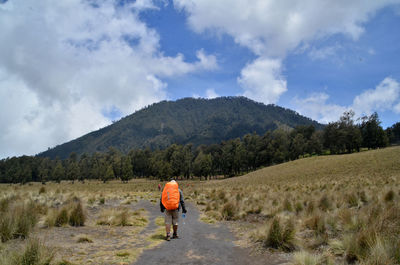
x: 71, y: 67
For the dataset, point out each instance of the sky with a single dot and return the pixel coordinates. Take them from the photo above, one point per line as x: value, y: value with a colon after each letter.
x: 69, y: 67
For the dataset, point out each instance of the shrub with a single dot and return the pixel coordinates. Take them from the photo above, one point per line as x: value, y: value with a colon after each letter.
x: 17, y: 222
x: 298, y: 207
x: 6, y: 227
x: 316, y: 223
x: 221, y: 195
x: 42, y: 190
x: 4, y: 203
x: 77, y: 216
x: 123, y: 218
x: 35, y: 253
x: 324, y: 203
x: 91, y: 200
x: 287, y: 205
x: 389, y: 196
x: 62, y: 218
x: 363, y: 197
x: 228, y: 211
x: 84, y: 239
x: 352, y: 200
x: 281, y: 237
x: 310, y: 207
x: 304, y: 258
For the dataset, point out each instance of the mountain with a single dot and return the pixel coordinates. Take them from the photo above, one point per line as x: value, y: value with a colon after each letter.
x: 188, y: 120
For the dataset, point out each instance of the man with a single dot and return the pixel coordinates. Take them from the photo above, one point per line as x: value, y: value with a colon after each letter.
x: 170, y: 203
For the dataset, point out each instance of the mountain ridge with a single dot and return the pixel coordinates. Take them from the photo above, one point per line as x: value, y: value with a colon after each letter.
x: 186, y: 120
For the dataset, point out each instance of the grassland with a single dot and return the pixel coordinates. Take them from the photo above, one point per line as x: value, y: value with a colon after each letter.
x: 81, y: 223
x: 325, y: 210
x: 340, y: 209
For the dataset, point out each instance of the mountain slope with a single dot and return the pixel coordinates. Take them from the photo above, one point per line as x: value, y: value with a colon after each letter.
x: 188, y: 120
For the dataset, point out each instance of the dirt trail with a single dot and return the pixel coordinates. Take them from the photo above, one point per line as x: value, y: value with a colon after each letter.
x: 201, y: 243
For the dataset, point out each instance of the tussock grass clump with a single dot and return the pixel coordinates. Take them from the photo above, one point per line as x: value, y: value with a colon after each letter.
x: 228, y: 211
x: 389, y: 196
x: 352, y: 200
x: 34, y: 253
x: 4, y: 203
x: 61, y: 218
x: 42, y: 190
x: 18, y: 221
x: 298, y: 207
x: 6, y: 227
x: 281, y: 236
x: 84, y: 239
x: 77, y: 216
x: 310, y: 207
x: 305, y: 258
x: 317, y: 224
x: 324, y: 203
x: 363, y: 197
x: 121, y: 217
x: 287, y: 205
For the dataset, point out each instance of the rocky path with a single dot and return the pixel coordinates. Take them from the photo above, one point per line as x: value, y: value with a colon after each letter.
x: 200, y: 243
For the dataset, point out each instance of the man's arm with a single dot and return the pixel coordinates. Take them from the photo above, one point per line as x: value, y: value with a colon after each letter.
x: 182, y: 202
x: 162, y: 208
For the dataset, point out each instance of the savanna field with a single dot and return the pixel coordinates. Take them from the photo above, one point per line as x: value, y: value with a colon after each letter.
x: 337, y: 209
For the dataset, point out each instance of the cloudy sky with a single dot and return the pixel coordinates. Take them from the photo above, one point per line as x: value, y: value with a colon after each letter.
x: 69, y: 67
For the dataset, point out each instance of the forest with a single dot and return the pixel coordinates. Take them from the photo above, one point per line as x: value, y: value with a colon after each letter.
x: 226, y: 159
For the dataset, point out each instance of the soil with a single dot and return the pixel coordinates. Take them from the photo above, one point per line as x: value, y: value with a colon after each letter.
x: 202, y: 243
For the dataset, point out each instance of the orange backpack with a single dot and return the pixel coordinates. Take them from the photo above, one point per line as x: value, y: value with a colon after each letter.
x: 170, y: 196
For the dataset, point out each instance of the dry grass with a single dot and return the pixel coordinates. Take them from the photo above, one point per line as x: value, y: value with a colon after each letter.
x: 121, y: 217
x: 344, y: 207
x: 65, y: 217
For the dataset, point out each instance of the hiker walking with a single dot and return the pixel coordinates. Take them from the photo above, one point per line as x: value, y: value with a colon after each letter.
x: 159, y: 187
x: 170, y: 203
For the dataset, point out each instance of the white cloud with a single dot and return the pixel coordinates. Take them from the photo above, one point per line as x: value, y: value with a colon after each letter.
x: 210, y: 93
x: 63, y: 62
x: 275, y: 27
x: 323, y: 53
x: 382, y: 98
x: 371, y: 51
x: 272, y: 29
x: 397, y: 108
x: 262, y: 80
x: 316, y: 107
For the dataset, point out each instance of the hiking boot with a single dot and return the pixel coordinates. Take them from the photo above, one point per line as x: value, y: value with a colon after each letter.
x: 175, y: 236
x: 168, y: 238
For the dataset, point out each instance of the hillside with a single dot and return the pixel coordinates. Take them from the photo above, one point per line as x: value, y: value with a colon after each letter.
x: 188, y: 120
x: 337, y: 209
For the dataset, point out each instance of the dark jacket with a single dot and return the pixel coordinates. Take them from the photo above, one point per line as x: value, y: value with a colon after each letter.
x: 181, y: 203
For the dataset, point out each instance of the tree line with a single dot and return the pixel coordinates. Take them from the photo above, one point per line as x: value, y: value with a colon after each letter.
x: 229, y: 158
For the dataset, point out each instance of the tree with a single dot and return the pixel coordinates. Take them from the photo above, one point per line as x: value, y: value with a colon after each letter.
x: 126, y: 169
x: 109, y: 174
x: 315, y: 145
x: 373, y: 135
x: 84, y: 167
x: 280, y: 145
x: 59, y: 171
x: 298, y: 146
x: 72, y: 168
x: 343, y: 135
x: 202, y: 165
x: 393, y: 133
